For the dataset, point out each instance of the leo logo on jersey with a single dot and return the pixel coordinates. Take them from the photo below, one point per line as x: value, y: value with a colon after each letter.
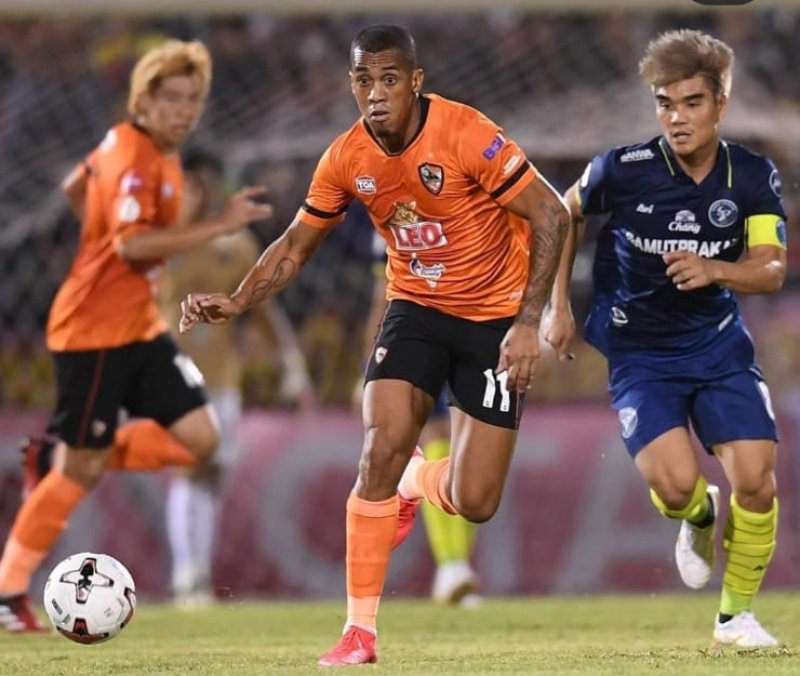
x: 411, y: 233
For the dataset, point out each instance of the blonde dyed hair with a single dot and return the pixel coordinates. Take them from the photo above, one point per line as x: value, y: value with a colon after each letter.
x: 683, y: 54
x: 173, y: 57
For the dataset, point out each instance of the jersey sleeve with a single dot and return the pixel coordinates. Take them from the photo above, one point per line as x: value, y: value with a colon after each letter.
x: 131, y: 195
x: 765, y: 218
x: 328, y: 198
x: 492, y: 159
x: 595, y: 185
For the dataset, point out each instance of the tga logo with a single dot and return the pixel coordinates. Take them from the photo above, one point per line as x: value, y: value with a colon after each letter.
x: 722, y: 2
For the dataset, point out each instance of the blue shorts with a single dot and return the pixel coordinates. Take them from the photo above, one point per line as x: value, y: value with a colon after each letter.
x: 440, y: 408
x: 721, y: 392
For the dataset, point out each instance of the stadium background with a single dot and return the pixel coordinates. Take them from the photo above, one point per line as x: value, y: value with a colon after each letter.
x: 561, y: 78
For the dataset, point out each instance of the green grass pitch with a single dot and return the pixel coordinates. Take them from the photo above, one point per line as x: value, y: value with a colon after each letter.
x: 619, y: 635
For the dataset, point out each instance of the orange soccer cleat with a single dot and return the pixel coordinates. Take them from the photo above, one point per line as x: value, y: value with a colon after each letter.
x: 17, y: 616
x: 356, y: 646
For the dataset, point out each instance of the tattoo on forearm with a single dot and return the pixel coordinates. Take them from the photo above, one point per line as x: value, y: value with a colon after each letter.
x: 259, y: 284
x: 264, y: 288
x: 548, y: 240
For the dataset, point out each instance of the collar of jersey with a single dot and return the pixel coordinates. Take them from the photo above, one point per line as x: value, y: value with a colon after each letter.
x: 675, y: 169
x: 424, y: 105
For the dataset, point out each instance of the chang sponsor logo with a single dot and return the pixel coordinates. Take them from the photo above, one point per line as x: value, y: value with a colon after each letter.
x: 684, y: 221
x: 723, y: 213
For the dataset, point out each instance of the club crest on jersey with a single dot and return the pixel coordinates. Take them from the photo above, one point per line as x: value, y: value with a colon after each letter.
x: 432, y: 177
x: 430, y: 273
x: 411, y: 233
x: 723, y: 213
x: 366, y: 185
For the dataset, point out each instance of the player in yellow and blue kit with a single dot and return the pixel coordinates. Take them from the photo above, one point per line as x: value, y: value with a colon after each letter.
x: 694, y: 220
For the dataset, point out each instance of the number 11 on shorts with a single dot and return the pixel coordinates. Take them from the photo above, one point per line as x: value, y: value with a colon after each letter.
x: 493, y: 380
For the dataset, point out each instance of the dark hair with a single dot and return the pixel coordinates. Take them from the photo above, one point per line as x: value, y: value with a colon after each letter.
x: 195, y: 159
x: 382, y: 37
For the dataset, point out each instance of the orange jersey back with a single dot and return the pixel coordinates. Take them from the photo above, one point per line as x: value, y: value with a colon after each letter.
x: 132, y: 186
x: 439, y: 204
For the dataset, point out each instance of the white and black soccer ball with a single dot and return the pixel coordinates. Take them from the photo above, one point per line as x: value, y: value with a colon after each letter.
x: 90, y: 597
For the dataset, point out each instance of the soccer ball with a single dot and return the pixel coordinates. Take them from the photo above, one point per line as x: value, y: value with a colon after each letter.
x: 89, y: 597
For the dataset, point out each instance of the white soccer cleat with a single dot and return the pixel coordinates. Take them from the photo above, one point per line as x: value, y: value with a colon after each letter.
x: 694, y: 549
x: 743, y: 631
x: 456, y: 583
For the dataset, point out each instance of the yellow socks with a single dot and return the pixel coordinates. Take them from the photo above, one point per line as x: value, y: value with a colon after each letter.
x: 750, y: 541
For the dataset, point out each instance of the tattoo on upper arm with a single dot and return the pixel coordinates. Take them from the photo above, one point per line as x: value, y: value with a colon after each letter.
x: 548, y: 241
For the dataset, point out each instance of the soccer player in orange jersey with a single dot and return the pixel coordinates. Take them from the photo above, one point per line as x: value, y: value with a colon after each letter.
x: 474, y: 234
x: 109, y: 343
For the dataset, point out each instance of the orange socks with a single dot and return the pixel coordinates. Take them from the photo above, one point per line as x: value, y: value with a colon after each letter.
x: 39, y: 522
x: 144, y: 445
x: 430, y: 480
x: 371, y: 527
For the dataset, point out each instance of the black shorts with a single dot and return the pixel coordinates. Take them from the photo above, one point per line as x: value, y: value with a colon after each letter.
x: 149, y: 379
x: 428, y: 348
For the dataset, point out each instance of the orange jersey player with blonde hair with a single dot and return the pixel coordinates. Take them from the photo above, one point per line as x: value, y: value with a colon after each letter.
x: 110, y: 346
x: 474, y: 234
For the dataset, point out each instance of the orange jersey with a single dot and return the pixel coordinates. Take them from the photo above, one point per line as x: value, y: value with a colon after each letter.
x: 131, y: 187
x: 439, y: 204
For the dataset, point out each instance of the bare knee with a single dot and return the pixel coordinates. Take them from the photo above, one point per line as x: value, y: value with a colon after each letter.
x: 204, y: 445
x: 755, y: 493
x: 198, y: 431
x: 477, y: 506
x: 675, y: 492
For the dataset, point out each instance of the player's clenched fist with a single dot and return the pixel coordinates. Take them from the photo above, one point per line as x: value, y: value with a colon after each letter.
x: 207, y: 308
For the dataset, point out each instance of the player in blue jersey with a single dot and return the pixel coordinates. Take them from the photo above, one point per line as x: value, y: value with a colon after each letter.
x: 694, y: 220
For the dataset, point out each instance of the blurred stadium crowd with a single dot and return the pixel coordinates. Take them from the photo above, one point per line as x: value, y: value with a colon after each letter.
x: 564, y: 85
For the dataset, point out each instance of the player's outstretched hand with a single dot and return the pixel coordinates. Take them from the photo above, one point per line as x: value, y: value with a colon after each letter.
x: 519, y: 353
x: 207, y: 308
x: 244, y: 208
x: 688, y: 271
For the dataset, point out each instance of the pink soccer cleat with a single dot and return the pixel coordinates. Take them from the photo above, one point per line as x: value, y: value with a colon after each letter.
x: 408, y: 511
x: 17, y: 616
x: 356, y: 646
